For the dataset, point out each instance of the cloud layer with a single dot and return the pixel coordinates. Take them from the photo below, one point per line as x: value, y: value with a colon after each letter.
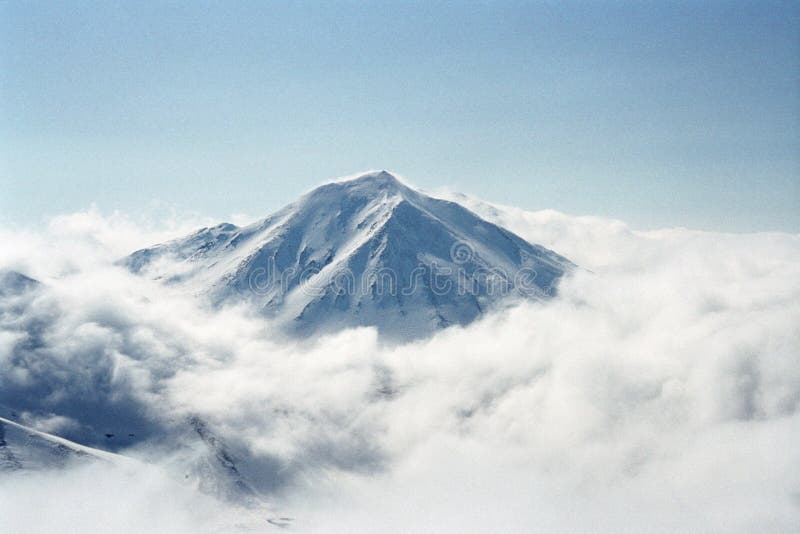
x: 660, y: 391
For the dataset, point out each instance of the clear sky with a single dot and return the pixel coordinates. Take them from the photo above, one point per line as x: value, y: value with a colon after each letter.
x: 658, y: 113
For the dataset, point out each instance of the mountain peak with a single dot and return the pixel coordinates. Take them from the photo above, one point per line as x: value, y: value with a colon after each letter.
x: 377, y: 178
x: 372, y: 183
x: 366, y: 251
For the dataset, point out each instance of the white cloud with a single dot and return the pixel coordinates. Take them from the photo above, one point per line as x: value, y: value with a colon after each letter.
x: 106, y: 498
x: 661, y: 389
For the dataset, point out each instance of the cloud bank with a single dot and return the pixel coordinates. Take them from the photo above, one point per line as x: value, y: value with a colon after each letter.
x: 658, y: 392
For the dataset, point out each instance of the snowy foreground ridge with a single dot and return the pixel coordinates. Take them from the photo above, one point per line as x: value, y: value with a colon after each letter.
x: 370, y: 251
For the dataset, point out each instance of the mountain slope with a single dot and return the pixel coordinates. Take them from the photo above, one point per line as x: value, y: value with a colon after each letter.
x: 370, y: 251
x: 22, y: 447
x: 203, y: 458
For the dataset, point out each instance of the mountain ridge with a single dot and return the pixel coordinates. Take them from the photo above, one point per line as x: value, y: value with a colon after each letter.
x: 369, y: 251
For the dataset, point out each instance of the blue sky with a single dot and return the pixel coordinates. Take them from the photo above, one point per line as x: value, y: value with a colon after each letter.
x: 658, y: 113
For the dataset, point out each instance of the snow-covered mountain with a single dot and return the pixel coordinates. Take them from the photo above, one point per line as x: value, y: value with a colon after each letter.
x: 22, y: 447
x: 202, y: 459
x: 203, y: 463
x: 370, y: 251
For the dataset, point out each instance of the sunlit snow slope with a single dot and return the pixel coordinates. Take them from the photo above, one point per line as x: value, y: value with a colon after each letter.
x: 369, y: 251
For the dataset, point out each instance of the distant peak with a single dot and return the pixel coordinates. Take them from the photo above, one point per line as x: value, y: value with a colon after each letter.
x: 383, y: 175
x: 368, y: 184
x: 365, y: 250
x: 377, y: 178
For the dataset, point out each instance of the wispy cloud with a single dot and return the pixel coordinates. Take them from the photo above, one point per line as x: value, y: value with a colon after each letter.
x: 661, y: 389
